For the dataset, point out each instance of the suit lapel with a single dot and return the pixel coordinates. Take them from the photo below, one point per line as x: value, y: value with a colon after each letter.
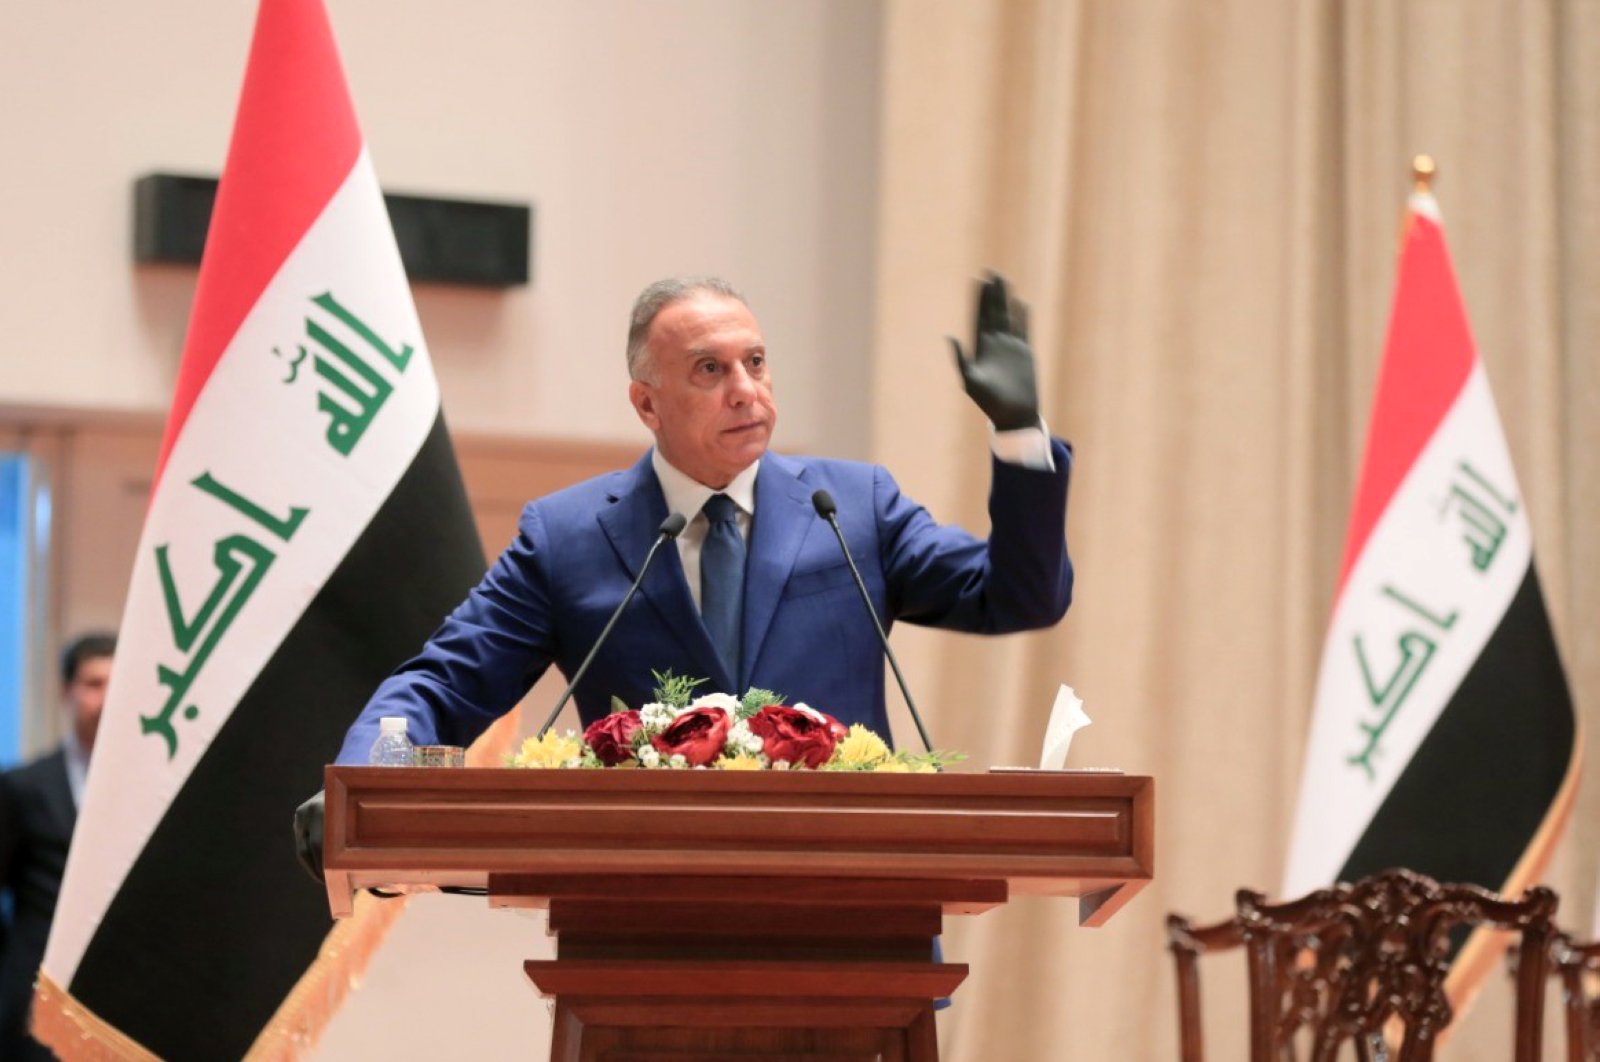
x: 784, y: 517
x: 631, y: 523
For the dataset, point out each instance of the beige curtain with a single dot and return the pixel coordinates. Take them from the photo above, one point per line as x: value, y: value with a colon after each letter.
x: 1201, y: 199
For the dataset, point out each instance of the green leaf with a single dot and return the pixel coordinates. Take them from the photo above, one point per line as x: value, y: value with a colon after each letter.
x: 938, y: 759
x: 674, y: 691
x: 756, y: 699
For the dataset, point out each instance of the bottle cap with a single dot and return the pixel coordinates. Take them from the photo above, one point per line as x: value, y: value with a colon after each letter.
x: 392, y: 724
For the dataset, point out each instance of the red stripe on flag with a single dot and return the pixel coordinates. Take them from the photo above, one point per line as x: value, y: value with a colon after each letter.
x: 1426, y: 361
x: 295, y: 140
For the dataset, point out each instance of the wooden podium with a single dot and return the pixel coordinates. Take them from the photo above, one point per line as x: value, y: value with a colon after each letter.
x: 733, y: 915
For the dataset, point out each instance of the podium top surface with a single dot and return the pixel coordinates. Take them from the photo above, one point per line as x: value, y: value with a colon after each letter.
x: 1053, y: 833
x: 1060, y: 834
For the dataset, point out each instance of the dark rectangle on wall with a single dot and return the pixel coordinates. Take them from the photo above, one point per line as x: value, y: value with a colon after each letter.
x: 445, y: 241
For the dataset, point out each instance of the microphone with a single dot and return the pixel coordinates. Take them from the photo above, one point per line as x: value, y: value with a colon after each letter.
x: 670, y: 528
x: 822, y: 502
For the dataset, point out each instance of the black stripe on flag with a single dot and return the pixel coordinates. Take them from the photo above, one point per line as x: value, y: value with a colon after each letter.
x: 216, y: 921
x: 1475, y: 793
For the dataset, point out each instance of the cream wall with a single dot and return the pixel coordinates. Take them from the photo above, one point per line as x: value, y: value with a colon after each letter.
x: 652, y: 138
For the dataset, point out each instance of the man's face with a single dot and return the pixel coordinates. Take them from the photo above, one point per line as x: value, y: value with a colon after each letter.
x: 86, y: 695
x: 707, y: 394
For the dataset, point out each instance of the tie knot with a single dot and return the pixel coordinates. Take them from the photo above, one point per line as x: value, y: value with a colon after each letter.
x: 720, y: 509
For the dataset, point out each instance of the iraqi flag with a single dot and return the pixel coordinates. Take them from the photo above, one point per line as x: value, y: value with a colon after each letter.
x: 307, y: 529
x: 1443, y: 733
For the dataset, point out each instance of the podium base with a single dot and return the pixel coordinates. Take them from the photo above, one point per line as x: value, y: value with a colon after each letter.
x: 674, y: 1011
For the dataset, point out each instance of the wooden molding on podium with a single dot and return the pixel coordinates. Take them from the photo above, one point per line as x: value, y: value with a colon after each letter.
x: 721, y: 914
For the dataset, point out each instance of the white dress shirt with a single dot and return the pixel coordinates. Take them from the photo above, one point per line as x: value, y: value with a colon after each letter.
x: 77, y: 766
x: 688, y: 496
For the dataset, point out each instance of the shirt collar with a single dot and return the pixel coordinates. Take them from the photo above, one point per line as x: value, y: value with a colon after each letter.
x: 77, y: 765
x: 686, y: 495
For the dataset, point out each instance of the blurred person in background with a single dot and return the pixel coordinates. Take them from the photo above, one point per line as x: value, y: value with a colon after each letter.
x: 38, y: 808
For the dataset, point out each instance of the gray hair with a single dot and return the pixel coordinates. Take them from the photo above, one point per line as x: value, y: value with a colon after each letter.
x: 658, y: 297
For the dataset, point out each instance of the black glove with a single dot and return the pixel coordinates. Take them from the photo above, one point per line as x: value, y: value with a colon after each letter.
x: 308, y: 835
x: 999, y: 375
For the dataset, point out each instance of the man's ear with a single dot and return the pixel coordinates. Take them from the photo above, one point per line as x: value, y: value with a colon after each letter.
x: 644, y: 404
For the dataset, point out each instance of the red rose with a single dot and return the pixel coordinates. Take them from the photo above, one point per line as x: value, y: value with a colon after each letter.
x: 790, y: 734
x: 697, y: 736
x: 611, y: 738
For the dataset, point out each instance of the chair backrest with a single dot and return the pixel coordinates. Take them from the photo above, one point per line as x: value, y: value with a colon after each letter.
x: 1298, y: 984
x: 1578, y: 966
x: 1188, y: 942
x: 1341, y: 964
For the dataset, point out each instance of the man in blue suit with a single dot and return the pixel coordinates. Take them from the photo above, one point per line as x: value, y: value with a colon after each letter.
x: 701, y: 382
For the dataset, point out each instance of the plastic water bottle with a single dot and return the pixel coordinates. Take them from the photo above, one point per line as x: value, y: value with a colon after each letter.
x: 393, y: 747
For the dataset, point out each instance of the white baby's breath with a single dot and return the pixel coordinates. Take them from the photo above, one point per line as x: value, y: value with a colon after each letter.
x: 649, y: 757
x: 742, y: 740
x: 656, y: 717
x: 678, y: 761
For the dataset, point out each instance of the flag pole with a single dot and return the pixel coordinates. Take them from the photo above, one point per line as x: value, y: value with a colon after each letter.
x: 1423, y: 173
x: 1423, y: 170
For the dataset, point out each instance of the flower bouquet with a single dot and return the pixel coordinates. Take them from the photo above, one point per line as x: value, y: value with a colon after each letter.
x: 716, y: 730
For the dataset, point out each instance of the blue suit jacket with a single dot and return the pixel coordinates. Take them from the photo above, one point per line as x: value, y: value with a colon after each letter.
x: 806, y: 633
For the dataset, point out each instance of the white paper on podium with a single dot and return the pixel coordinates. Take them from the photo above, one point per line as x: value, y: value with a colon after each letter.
x: 1066, y: 718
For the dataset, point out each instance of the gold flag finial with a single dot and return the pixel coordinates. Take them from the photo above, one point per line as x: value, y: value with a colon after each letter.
x: 1423, y: 170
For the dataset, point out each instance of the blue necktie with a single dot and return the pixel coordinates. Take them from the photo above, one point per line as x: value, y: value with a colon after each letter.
x: 722, y: 580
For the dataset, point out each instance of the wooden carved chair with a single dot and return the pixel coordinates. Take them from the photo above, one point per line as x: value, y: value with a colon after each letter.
x: 1298, y: 988
x: 1188, y: 942
x: 1381, y: 955
x: 1342, y: 965
x: 1578, y: 966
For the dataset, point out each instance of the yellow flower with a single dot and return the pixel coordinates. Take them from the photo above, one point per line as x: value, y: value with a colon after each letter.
x: 891, y: 767
x: 552, y: 750
x: 926, y: 768
x: 860, y: 748
x: 738, y: 763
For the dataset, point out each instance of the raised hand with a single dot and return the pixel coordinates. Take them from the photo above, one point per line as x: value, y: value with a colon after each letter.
x: 999, y: 374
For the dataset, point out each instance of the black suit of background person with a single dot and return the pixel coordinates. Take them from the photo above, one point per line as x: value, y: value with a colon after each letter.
x: 38, y: 807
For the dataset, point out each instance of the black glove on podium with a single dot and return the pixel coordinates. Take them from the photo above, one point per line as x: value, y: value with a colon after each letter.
x: 308, y: 835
